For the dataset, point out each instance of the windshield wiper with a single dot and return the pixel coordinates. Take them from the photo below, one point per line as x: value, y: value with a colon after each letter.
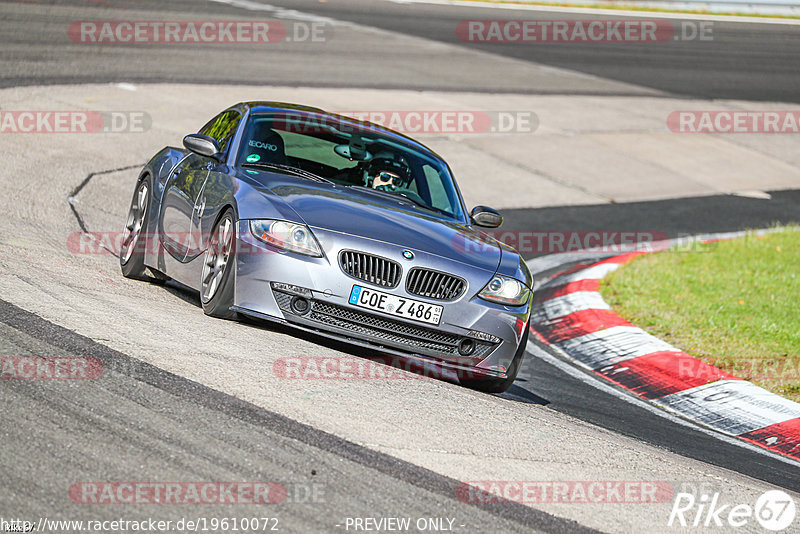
x: 418, y: 203
x: 297, y: 171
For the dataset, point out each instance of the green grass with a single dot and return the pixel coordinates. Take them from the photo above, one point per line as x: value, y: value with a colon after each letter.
x: 734, y: 304
x: 632, y: 7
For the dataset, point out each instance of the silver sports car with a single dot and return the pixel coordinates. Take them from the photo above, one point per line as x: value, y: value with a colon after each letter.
x: 338, y: 227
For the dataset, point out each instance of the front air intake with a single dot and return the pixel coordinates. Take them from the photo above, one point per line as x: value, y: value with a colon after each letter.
x: 434, y: 284
x: 372, y: 269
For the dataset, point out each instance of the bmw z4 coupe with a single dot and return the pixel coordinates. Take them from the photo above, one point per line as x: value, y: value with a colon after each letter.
x: 335, y: 226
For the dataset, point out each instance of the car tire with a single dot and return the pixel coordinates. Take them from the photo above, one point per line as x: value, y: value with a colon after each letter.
x: 219, y: 260
x: 134, y: 244
x: 500, y: 385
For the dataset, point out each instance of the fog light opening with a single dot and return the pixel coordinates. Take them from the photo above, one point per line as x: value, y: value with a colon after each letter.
x: 466, y: 347
x: 300, y: 305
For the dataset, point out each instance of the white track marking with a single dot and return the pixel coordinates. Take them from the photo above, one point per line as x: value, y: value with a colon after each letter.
x: 612, y: 12
x: 280, y: 12
x: 591, y: 380
x: 573, y: 302
x: 596, y: 272
x: 754, y: 193
x: 732, y: 406
x: 553, y: 261
x: 612, y: 345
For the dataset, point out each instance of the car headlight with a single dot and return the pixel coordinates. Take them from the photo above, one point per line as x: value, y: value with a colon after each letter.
x: 287, y: 236
x: 504, y: 290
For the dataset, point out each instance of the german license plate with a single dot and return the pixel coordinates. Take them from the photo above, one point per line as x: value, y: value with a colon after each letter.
x: 364, y: 297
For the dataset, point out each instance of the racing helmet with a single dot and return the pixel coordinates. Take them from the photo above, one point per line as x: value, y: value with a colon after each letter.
x: 389, y: 171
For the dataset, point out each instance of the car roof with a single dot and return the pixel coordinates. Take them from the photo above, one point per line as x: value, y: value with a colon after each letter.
x: 259, y: 106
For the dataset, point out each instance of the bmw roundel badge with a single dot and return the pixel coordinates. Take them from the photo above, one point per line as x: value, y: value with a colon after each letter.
x: 407, y: 254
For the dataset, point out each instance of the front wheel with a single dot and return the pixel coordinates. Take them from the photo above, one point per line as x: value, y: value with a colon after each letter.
x: 134, y: 243
x: 217, y: 281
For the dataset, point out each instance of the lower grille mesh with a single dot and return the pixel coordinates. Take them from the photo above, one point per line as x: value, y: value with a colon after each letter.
x: 395, y: 334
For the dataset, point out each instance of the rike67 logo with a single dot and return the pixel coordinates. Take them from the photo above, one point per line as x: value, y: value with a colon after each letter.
x: 774, y: 510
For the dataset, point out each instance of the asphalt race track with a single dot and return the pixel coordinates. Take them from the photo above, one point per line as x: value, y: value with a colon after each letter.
x: 214, y: 434
x: 734, y: 64
x: 184, y: 397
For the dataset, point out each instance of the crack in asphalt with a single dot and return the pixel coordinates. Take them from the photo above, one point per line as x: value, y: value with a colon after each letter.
x: 79, y: 188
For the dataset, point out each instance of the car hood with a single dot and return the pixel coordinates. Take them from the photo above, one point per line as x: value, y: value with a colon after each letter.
x: 359, y: 212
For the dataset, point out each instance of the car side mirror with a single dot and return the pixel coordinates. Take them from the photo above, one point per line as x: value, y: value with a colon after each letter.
x: 202, y: 145
x: 486, y: 217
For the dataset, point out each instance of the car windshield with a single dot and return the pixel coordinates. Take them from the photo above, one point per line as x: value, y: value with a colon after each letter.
x: 352, y: 154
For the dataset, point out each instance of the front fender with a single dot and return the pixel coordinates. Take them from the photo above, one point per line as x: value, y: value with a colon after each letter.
x: 256, y: 201
x: 248, y: 199
x: 512, y: 264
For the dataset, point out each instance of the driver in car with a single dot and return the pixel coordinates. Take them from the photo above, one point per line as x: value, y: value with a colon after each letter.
x: 385, y: 173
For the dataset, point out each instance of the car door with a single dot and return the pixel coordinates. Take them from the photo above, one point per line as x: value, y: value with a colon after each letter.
x: 184, y: 204
x: 181, y: 192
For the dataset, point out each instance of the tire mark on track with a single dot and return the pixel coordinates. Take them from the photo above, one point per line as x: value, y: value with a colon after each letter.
x: 191, y: 391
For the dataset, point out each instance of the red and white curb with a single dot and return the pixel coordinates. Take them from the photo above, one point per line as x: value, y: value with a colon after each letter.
x: 571, y: 317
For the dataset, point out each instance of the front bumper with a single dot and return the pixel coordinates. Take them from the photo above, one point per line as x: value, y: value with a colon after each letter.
x: 326, y: 289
